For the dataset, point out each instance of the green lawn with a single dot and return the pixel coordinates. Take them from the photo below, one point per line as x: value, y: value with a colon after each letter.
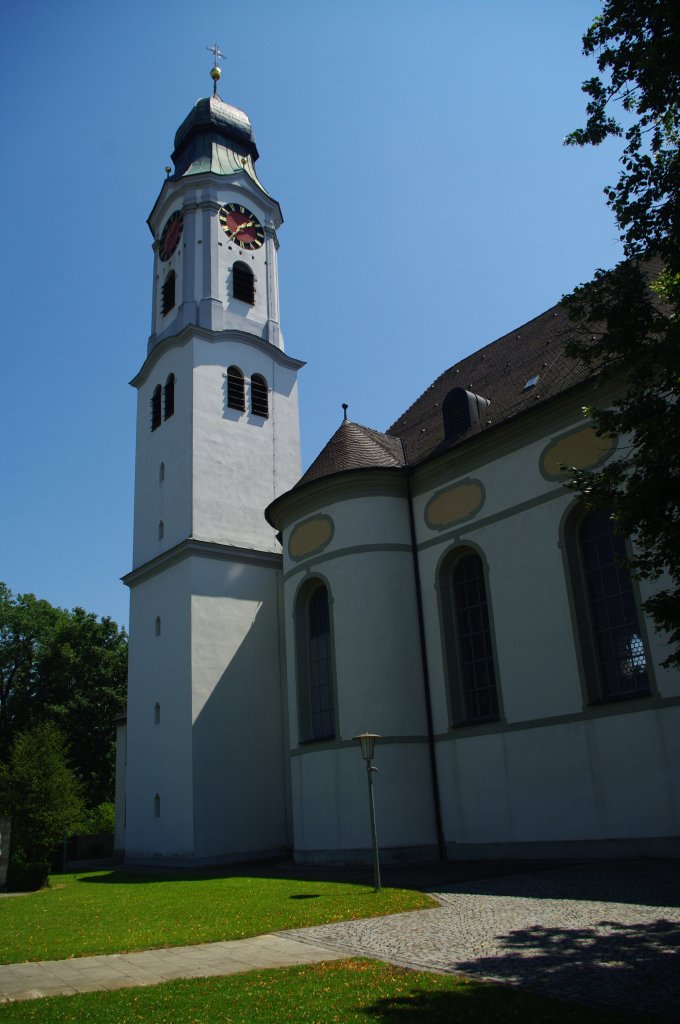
x: 338, y: 992
x: 106, y: 912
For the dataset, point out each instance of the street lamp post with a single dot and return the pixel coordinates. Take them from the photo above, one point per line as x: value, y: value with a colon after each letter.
x: 367, y: 741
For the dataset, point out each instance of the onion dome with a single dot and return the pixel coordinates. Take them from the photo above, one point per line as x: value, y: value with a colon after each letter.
x: 214, y: 137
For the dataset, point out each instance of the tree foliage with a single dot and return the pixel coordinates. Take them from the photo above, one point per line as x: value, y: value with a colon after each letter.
x: 40, y: 793
x: 628, y: 319
x: 68, y: 668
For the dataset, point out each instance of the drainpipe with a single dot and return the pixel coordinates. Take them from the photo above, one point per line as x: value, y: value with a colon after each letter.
x: 426, y: 678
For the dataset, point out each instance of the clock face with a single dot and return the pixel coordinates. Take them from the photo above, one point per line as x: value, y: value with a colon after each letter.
x: 242, y: 226
x: 172, y: 232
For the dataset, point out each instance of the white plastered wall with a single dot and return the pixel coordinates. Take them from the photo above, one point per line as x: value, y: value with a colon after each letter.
x: 241, y: 461
x: 159, y: 746
x: 238, y: 766
x: 368, y: 569
x: 561, y: 771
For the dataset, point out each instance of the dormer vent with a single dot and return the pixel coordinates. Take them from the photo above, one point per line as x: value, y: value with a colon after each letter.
x: 531, y: 383
x: 460, y: 410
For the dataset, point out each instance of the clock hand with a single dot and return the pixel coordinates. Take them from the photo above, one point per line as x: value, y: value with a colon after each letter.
x: 246, y: 224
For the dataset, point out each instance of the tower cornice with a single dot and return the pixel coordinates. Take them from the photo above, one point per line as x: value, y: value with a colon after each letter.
x: 192, y: 331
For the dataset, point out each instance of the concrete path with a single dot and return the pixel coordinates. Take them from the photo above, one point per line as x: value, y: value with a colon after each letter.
x: 153, y: 966
x: 600, y: 933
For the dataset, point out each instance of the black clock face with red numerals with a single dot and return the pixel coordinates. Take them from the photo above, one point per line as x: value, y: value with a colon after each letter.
x: 172, y: 232
x: 242, y: 226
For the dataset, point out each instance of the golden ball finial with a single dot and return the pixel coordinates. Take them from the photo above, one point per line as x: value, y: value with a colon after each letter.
x: 215, y: 73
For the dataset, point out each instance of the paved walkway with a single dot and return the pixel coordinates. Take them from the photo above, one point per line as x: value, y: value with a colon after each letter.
x: 153, y: 966
x: 605, y: 933
x: 602, y: 933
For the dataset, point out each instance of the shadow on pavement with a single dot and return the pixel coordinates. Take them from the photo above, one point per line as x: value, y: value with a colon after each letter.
x: 636, y: 967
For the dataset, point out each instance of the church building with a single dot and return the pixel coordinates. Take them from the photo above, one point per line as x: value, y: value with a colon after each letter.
x: 436, y: 584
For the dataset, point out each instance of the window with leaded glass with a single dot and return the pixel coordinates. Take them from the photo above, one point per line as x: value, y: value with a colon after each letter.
x: 314, y: 656
x: 319, y: 665
x: 475, y: 697
x: 613, y: 617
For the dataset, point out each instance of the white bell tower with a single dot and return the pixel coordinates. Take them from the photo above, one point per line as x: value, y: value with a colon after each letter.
x: 217, y: 441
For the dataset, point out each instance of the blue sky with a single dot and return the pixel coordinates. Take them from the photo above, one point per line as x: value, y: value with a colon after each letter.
x: 429, y: 204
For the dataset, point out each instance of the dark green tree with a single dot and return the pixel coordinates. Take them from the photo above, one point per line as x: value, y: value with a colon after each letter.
x: 40, y: 793
x: 627, y: 321
x: 68, y: 668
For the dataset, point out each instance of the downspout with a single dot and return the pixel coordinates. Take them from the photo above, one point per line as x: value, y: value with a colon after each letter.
x: 441, y: 844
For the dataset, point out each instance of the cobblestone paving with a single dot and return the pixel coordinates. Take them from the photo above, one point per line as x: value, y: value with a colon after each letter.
x: 603, y: 934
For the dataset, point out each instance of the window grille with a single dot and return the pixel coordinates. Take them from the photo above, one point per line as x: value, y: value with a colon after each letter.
x: 243, y: 283
x: 156, y: 407
x: 168, y: 293
x: 236, y: 394
x: 169, y: 397
x: 259, y: 396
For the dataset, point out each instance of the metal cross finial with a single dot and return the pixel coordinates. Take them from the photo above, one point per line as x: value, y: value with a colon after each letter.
x: 215, y: 71
x: 216, y: 52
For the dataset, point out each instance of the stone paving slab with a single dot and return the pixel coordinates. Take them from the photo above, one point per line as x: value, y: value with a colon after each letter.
x: 153, y: 967
x: 602, y: 934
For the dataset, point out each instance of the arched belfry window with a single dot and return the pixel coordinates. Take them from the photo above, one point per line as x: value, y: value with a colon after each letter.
x: 156, y: 401
x: 243, y: 283
x: 259, y: 396
x: 315, y: 663
x: 168, y: 293
x: 613, y: 652
x: 169, y: 397
x: 236, y: 392
x: 468, y: 639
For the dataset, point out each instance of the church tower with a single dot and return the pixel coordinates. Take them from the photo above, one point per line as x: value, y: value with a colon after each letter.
x: 217, y: 441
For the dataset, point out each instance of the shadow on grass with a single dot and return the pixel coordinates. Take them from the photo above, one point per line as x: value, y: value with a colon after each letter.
x: 403, y: 876
x: 653, y: 883
x: 490, y: 1004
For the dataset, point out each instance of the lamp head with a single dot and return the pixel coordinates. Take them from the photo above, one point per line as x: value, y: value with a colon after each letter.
x: 367, y: 741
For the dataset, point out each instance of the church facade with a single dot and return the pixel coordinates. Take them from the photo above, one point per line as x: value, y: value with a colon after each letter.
x: 436, y: 584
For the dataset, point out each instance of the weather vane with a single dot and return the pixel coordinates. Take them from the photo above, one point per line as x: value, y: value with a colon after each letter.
x: 215, y: 71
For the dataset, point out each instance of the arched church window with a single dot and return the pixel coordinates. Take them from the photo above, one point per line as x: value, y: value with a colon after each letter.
x: 156, y: 400
x: 161, y: 473
x: 169, y: 397
x: 236, y: 392
x: 468, y: 641
x: 157, y: 714
x: 259, y: 396
x: 157, y: 626
x: 161, y: 529
x: 315, y: 663
x: 168, y: 293
x: 157, y: 806
x: 243, y: 283
x: 612, y: 647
